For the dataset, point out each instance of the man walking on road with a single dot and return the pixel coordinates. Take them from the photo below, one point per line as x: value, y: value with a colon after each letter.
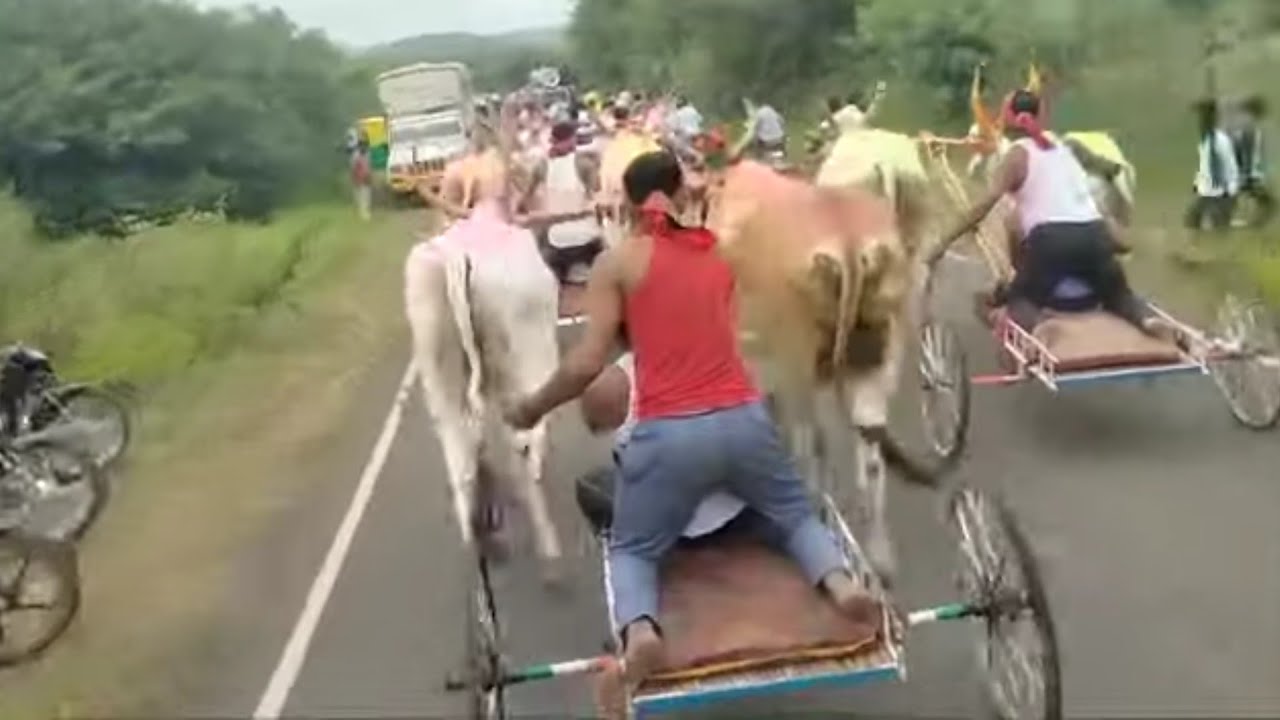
x: 362, y: 179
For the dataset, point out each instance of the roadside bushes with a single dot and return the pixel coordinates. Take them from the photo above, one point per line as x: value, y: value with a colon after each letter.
x: 114, y: 111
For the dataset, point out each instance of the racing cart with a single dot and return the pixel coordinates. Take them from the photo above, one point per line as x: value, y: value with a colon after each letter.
x: 1068, y: 350
x: 743, y: 622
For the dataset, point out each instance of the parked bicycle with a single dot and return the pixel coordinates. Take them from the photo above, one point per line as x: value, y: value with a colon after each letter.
x: 49, y: 485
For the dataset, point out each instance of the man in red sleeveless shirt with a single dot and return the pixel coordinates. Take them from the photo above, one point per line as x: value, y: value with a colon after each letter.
x: 701, y: 424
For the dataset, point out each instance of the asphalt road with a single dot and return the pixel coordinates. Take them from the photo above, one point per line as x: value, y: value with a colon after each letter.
x: 1154, y: 516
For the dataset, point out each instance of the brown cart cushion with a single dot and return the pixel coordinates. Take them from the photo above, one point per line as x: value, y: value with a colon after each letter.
x: 571, y: 297
x: 1098, y: 340
x: 1095, y: 340
x: 732, y: 604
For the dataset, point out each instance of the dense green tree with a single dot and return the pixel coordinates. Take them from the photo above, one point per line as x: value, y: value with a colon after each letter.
x: 119, y: 108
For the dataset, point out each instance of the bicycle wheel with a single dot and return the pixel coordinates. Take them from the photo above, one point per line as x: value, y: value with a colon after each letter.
x: 107, y: 420
x: 39, y: 594
x: 66, y: 491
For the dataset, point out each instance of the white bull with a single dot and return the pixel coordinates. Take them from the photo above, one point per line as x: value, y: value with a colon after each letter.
x: 482, y: 306
x: 826, y: 273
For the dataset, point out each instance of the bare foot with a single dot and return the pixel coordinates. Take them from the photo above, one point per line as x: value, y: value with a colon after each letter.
x: 852, y: 600
x: 1161, y: 329
x: 554, y: 578
x: 644, y: 654
x: 641, y: 659
x: 611, y: 692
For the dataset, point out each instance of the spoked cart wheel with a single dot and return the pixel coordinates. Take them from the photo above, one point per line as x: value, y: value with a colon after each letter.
x: 1245, y: 363
x: 945, y: 393
x: 483, y: 642
x: 999, y: 576
x: 486, y: 696
x: 39, y: 594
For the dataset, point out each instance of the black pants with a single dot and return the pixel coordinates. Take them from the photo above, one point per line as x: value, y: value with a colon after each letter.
x: 562, y: 260
x: 1217, y: 210
x: 1257, y: 189
x: 1054, y: 251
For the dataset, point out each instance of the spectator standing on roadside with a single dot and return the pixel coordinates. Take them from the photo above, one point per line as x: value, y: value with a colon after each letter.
x: 1217, y: 179
x: 770, y: 129
x: 362, y: 179
x: 1251, y: 157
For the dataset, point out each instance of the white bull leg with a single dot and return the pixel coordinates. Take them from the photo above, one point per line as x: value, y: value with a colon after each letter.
x: 531, y: 449
x: 442, y: 376
x: 534, y: 338
x: 797, y: 424
x: 805, y: 447
x: 460, y: 440
x: 869, y: 395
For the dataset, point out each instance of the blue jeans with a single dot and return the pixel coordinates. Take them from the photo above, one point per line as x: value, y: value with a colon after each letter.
x: 667, y: 468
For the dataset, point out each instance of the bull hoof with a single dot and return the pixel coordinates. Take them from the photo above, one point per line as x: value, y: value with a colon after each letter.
x: 554, y: 577
x: 495, y: 547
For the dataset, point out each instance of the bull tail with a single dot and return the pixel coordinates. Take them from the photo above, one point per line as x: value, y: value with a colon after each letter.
x: 869, y: 265
x: 457, y: 273
x: 849, y: 286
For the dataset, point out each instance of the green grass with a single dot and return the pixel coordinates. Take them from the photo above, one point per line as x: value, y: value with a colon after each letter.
x: 146, y: 309
x: 253, y: 345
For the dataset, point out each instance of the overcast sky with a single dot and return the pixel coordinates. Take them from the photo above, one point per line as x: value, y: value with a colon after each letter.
x: 366, y: 22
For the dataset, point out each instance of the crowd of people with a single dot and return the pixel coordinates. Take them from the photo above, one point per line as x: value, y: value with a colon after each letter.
x: 703, y: 431
x: 1231, y: 165
x: 565, y: 160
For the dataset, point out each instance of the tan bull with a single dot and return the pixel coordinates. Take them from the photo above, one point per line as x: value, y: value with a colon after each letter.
x: 825, y: 275
x: 625, y: 146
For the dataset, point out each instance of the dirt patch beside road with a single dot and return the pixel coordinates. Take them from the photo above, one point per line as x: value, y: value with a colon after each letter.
x: 221, y: 453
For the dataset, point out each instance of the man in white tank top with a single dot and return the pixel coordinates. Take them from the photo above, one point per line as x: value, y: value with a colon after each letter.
x: 1066, y: 260
x: 566, y: 182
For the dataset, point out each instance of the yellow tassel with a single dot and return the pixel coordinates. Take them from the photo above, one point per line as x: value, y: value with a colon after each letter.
x: 1034, y: 82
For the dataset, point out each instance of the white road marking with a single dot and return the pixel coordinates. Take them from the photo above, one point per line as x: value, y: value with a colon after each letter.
x: 295, y: 651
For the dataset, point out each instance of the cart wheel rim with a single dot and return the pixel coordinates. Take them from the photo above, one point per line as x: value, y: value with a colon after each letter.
x: 1019, y: 647
x: 942, y: 374
x: 488, y: 700
x: 1249, y: 374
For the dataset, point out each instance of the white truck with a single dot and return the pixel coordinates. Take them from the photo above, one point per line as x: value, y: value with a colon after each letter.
x: 430, y: 112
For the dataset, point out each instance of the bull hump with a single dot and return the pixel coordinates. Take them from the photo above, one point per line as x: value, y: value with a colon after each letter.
x: 753, y: 192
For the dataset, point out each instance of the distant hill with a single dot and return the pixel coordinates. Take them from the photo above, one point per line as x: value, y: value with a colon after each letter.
x: 497, y: 61
x: 458, y: 46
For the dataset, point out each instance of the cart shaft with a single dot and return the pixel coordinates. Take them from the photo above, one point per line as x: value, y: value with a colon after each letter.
x: 951, y: 611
